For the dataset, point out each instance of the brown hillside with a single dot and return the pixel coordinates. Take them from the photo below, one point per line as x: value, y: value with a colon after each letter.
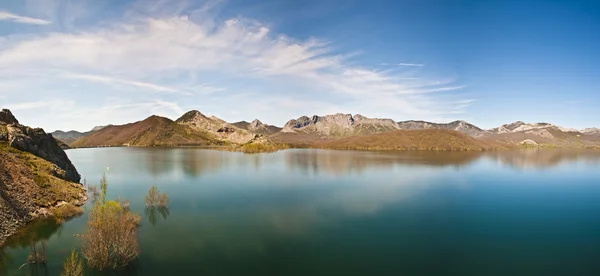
x: 546, y: 137
x: 153, y: 131
x: 428, y: 139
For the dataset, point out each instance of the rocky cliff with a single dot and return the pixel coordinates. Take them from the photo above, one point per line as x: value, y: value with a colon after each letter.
x: 36, y: 175
x: 37, y: 142
x: 339, y: 125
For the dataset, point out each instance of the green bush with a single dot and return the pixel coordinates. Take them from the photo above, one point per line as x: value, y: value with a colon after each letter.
x: 111, y: 237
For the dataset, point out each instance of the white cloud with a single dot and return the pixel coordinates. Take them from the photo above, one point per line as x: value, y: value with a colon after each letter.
x: 159, y: 53
x: 37, y: 104
x: 411, y: 64
x: 113, y: 81
x: 22, y: 19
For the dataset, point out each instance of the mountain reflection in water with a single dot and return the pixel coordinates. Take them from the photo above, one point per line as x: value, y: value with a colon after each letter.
x: 306, y: 211
x: 195, y: 162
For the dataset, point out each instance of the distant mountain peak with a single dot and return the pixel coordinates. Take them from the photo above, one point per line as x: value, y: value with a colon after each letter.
x: 339, y: 125
x: 519, y: 126
x: 191, y: 115
x: 459, y: 125
x: 591, y: 130
x: 256, y: 124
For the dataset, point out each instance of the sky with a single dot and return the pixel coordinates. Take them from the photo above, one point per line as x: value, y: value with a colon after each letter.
x: 76, y: 64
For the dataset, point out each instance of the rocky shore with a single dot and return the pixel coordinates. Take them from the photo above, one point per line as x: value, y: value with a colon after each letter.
x: 36, y: 176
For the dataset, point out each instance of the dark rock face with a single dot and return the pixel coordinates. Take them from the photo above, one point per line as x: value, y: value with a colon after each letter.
x: 301, y: 122
x: 36, y: 141
x: 7, y: 118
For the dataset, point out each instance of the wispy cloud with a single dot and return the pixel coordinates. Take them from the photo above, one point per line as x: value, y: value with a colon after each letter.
x: 34, y: 105
x: 159, y: 51
x: 411, y: 64
x: 117, y: 81
x: 22, y: 19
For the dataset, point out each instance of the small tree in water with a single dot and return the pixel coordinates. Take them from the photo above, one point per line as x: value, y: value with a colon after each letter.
x: 73, y: 266
x: 156, y: 199
x: 111, y: 239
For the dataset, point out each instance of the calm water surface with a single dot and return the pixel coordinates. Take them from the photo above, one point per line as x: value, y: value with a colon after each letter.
x: 316, y: 212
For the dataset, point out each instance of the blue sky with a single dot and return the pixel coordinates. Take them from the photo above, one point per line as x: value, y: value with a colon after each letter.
x: 75, y: 64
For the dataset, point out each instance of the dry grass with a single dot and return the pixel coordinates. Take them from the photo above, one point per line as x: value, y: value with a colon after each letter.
x: 66, y: 211
x: 430, y: 139
x: 261, y: 147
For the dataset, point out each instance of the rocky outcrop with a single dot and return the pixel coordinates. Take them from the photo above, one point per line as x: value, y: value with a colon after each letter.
x: 519, y: 126
x: 339, y: 125
x: 7, y: 118
x: 36, y: 176
x: 301, y: 122
x: 36, y: 141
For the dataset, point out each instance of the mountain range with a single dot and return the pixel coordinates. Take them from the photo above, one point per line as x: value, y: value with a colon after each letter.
x: 195, y: 128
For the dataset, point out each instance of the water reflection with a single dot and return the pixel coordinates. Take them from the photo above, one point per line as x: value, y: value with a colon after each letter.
x: 34, y: 237
x: 347, y: 162
x: 175, y: 163
x: 544, y: 158
x: 154, y: 212
x: 230, y: 210
x: 356, y: 162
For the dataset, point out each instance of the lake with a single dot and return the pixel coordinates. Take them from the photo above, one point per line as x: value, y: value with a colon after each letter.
x: 320, y: 212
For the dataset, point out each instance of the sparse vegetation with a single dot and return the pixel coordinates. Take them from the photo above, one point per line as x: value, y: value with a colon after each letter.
x: 37, y: 256
x: 111, y: 238
x: 431, y: 140
x: 156, y: 199
x: 262, y: 147
x: 66, y: 211
x: 39, y: 188
x: 94, y: 192
x: 73, y: 265
x: 259, y: 146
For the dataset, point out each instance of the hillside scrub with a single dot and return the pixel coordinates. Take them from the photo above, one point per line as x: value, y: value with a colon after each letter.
x: 111, y: 238
x: 430, y: 140
x: 260, y: 146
